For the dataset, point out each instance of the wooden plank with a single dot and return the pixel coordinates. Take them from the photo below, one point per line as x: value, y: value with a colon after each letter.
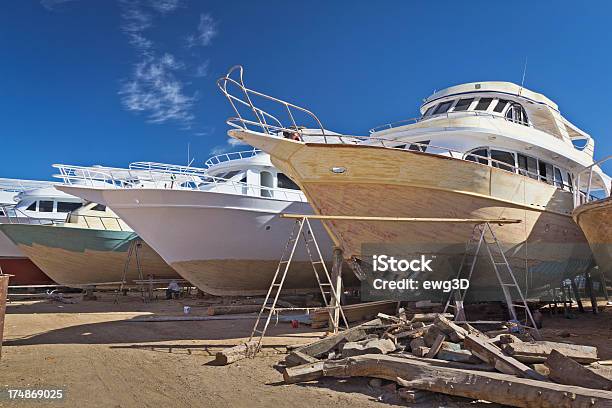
x: 232, y: 309
x: 355, y: 313
x: 4, y: 280
x: 493, y: 387
x: 435, y: 347
x: 303, y: 373
x: 482, y: 347
x: 455, y: 332
x: 404, y: 219
x: 538, y: 351
x: 565, y: 370
x: 296, y: 358
x: 233, y: 354
x: 429, y: 317
x: 320, y: 347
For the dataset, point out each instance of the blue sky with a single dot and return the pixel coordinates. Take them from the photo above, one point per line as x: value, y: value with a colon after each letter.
x: 110, y: 81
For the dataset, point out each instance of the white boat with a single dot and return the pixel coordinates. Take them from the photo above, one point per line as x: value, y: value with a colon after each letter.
x: 75, y: 242
x: 221, y: 230
x: 29, y: 202
x: 486, y: 150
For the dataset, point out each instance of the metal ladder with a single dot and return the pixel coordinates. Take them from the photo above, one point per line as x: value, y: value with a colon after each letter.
x: 301, y: 229
x: 503, y: 272
x: 132, y: 251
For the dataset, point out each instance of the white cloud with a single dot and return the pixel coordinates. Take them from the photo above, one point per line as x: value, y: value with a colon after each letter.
x: 202, y: 69
x: 230, y: 144
x: 165, y: 6
x: 207, y: 30
x: 52, y: 4
x: 155, y: 89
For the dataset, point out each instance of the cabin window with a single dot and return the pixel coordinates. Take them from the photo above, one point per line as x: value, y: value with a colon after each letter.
x: 570, y: 184
x: 546, y: 172
x: 483, y: 104
x: 266, y: 180
x: 474, y: 156
x: 32, y: 207
x: 558, y: 178
x: 528, y: 166
x: 419, y: 146
x: 403, y: 146
x: 286, y: 182
x: 502, y: 157
x: 98, y: 207
x: 66, y: 207
x: 443, y: 107
x: 45, y: 206
x: 516, y: 113
x: 428, y: 111
x: 501, y: 104
x: 231, y: 174
x: 463, y: 104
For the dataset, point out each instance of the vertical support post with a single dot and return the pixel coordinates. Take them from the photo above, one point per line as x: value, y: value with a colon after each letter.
x: 4, y: 280
x: 589, y: 287
x: 604, y: 283
x: 336, y: 280
x: 577, y: 295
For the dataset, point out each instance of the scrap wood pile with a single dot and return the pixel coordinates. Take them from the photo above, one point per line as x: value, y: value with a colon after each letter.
x: 430, y: 354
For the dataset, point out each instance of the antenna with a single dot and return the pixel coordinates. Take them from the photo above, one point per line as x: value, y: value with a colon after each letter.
x: 524, y: 73
x: 188, y: 153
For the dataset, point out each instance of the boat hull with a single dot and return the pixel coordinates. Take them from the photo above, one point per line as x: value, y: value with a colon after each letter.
x: 358, y: 180
x: 14, y: 262
x: 595, y: 219
x: 225, y: 244
x: 79, y: 257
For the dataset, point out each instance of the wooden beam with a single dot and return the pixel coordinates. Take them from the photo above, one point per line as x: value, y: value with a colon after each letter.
x: 336, y: 290
x: 493, y: 387
x: 538, y: 351
x: 482, y: 347
x: 564, y: 370
x: 320, y: 347
x: 239, y: 352
x: 404, y: 219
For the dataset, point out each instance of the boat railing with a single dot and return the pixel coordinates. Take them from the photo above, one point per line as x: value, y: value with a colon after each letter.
x: 18, y: 186
x: 244, y: 99
x: 154, y: 169
x: 227, y: 157
x: 13, y: 215
x: 582, y: 197
x: 174, y: 179
x: 445, y: 115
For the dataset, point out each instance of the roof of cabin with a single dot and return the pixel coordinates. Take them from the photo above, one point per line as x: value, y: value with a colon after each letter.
x: 492, y: 86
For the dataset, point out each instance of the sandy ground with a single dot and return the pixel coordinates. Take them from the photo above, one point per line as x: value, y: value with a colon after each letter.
x: 101, y: 359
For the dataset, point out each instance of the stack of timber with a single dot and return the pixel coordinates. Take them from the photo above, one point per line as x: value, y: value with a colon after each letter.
x: 354, y: 313
x: 427, y: 354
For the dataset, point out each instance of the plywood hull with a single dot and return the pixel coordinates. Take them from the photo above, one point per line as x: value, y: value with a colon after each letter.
x: 80, y: 256
x: 225, y: 244
x: 595, y: 219
x: 544, y: 248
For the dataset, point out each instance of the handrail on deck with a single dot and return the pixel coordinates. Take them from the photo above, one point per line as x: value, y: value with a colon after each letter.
x: 582, y: 198
x: 171, y: 179
x: 264, y: 120
x: 230, y: 156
